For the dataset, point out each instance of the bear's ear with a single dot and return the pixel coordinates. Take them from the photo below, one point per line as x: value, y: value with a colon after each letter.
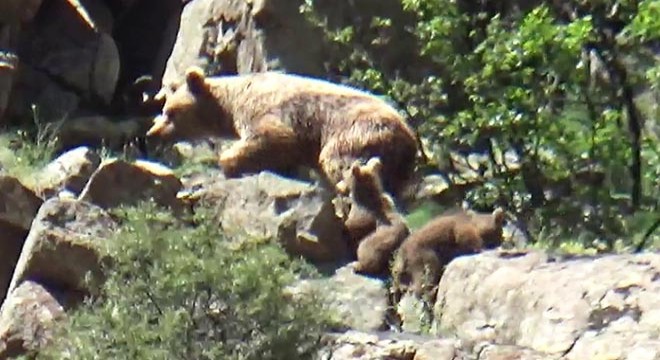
x: 195, y: 79
x: 498, y: 215
x: 356, y: 168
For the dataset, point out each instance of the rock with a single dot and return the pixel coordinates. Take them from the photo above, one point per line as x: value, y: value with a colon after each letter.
x: 12, y: 238
x: 118, y: 182
x: 18, y: 204
x: 583, y: 307
x: 297, y: 214
x: 414, y: 316
x: 359, y: 302
x: 63, y: 58
x: 18, y: 207
x: 98, y: 131
x: 244, y: 36
x: 508, y: 352
x: 27, y: 318
x: 18, y: 10
x: 64, y: 245
x: 359, y: 345
x: 70, y: 171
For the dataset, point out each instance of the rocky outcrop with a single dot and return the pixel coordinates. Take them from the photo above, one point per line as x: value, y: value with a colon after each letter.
x: 68, y: 172
x: 357, y: 301
x: 365, y: 346
x: 62, y: 248
x: 18, y: 207
x: 117, y: 182
x: 244, y: 36
x: 64, y: 64
x: 27, y: 318
x: 575, y: 308
x: 64, y: 245
x: 300, y: 215
x: 80, y: 57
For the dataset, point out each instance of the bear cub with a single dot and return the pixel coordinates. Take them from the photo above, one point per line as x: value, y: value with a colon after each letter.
x: 424, y: 254
x: 374, y: 226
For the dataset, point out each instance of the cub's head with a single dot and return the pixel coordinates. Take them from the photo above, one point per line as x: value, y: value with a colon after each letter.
x: 490, y: 227
x: 190, y: 110
x: 364, y: 185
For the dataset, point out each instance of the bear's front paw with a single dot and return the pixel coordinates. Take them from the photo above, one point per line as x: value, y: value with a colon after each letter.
x: 229, y: 165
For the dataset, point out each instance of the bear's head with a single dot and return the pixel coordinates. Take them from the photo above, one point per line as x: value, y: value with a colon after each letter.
x: 190, y: 110
x: 490, y: 227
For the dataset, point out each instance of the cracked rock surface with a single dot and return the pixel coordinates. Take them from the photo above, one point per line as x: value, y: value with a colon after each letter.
x: 605, y: 307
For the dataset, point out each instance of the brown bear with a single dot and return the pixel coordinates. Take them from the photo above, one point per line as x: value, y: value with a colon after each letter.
x: 283, y: 121
x: 374, y: 226
x: 423, y: 255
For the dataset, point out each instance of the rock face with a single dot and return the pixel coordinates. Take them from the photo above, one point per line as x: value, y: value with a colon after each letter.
x: 298, y: 214
x: 18, y: 207
x: 63, y: 62
x: 64, y: 245
x: 360, y: 302
x: 239, y: 36
x: 27, y: 319
x: 366, y: 346
x: 69, y: 172
x: 581, y: 308
x: 117, y: 182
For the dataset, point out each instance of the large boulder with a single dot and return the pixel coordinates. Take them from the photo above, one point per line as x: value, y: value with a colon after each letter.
x: 357, y: 301
x: 117, y: 182
x: 18, y: 207
x: 64, y: 246
x: 18, y: 204
x: 582, y: 307
x: 27, y: 318
x: 298, y: 214
x: 239, y: 36
x: 373, y: 345
x: 65, y: 61
x: 68, y: 172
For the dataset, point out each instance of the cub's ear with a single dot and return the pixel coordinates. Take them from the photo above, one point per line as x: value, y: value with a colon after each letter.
x: 356, y: 168
x: 195, y: 79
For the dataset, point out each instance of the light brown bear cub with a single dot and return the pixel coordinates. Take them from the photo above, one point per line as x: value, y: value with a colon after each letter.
x: 283, y: 121
x: 374, y: 226
x: 424, y: 254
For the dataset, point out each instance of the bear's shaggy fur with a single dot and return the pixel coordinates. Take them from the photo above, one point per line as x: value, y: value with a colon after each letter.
x: 373, y: 223
x: 423, y: 255
x: 283, y: 121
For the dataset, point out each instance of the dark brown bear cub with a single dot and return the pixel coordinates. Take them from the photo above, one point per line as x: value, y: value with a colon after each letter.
x: 373, y: 224
x: 424, y: 254
x: 284, y: 121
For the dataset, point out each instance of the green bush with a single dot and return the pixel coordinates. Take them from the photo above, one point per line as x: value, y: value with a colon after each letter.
x: 178, y: 291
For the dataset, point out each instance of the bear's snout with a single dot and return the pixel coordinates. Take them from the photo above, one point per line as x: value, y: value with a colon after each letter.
x: 162, y: 126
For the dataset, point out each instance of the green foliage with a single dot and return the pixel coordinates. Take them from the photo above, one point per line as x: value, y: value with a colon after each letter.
x: 550, y: 87
x: 179, y: 291
x: 423, y: 214
x: 23, y: 152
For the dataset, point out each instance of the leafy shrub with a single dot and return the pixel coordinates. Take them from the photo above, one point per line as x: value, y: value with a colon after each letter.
x: 176, y: 291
